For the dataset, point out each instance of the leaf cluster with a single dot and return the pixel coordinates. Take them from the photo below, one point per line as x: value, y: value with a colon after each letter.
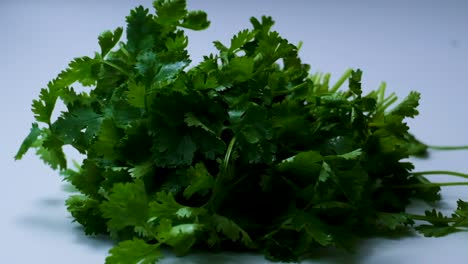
x: 244, y: 151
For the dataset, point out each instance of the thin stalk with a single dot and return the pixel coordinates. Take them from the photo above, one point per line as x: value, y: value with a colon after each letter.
x: 317, y: 77
x: 381, y: 92
x: 389, y: 101
x: 326, y: 80
x: 115, y: 67
x: 124, y: 50
x: 340, y: 82
x: 442, y: 172
x: 429, y: 185
x: 227, y: 157
x: 219, y: 180
x: 448, y: 147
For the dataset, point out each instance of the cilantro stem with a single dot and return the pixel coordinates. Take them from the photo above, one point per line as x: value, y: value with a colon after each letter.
x: 381, y: 92
x: 289, y: 90
x: 124, y: 50
x: 389, y: 101
x: 227, y: 157
x: 115, y: 67
x: 217, y: 188
x: 429, y: 185
x: 326, y: 80
x: 448, y: 147
x: 340, y: 81
x: 442, y: 172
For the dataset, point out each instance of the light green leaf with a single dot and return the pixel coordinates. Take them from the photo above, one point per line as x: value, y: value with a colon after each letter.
x: 134, y: 251
x: 127, y: 206
x: 200, y: 180
x: 351, y: 155
x: 28, y: 142
x: 195, y: 20
x: 170, y: 12
x: 136, y: 94
x: 141, y: 170
x: 165, y: 206
x: 231, y: 230
x: 108, y: 39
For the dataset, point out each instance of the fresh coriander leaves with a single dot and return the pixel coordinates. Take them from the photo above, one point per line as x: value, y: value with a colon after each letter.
x: 237, y: 152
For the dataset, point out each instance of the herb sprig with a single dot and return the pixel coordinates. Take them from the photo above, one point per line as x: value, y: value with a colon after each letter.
x: 237, y: 152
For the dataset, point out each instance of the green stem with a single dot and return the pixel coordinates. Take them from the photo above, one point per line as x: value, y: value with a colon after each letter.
x: 428, y: 185
x: 227, y: 157
x: 381, y: 92
x: 448, y: 147
x: 340, y: 82
x: 326, y: 80
x: 316, y: 78
x: 389, y: 101
x: 219, y: 180
x: 115, y: 67
x: 124, y: 50
x: 289, y: 90
x: 442, y: 172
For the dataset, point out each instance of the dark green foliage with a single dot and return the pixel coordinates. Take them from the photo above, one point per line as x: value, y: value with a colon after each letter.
x: 237, y: 152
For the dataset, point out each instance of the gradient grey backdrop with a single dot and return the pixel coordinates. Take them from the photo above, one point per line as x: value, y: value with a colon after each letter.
x: 421, y: 45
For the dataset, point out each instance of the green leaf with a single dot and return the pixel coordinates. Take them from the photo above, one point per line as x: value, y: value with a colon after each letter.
x: 355, y: 82
x: 311, y: 226
x: 353, y: 182
x: 167, y: 74
x: 170, y: 12
x: 127, y: 206
x: 462, y: 209
x: 49, y: 149
x: 83, y: 70
x: 408, y: 107
x: 351, y: 155
x: 219, y: 46
x: 107, y: 140
x: 192, y: 121
x: 29, y: 141
x: 134, y: 251
x: 173, y: 150
x: 200, y: 180
x: 141, y: 30
x: 436, y: 231
x: 231, y: 230
x: 165, y: 206
x: 240, y: 69
x: 325, y: 173
x: 108, y: 39
x: 86, y: 212
x: 88, y: 179
x: 195, y: 20
x: 44, y: 106
x: 136, y: 94
x: 393, y: 221
x: 181, y: 237
x: 80, y: 124
x: 241, y: 39
x: 304, y: 163
x: 141, y: 170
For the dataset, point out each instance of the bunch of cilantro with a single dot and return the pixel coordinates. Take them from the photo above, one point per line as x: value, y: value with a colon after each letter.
x: 244, y: 151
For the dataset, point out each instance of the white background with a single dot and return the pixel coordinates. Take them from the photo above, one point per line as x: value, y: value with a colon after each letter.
x: 419, y: 46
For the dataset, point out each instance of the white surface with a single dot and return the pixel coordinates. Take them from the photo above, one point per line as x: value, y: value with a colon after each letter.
x: 419, y: 46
